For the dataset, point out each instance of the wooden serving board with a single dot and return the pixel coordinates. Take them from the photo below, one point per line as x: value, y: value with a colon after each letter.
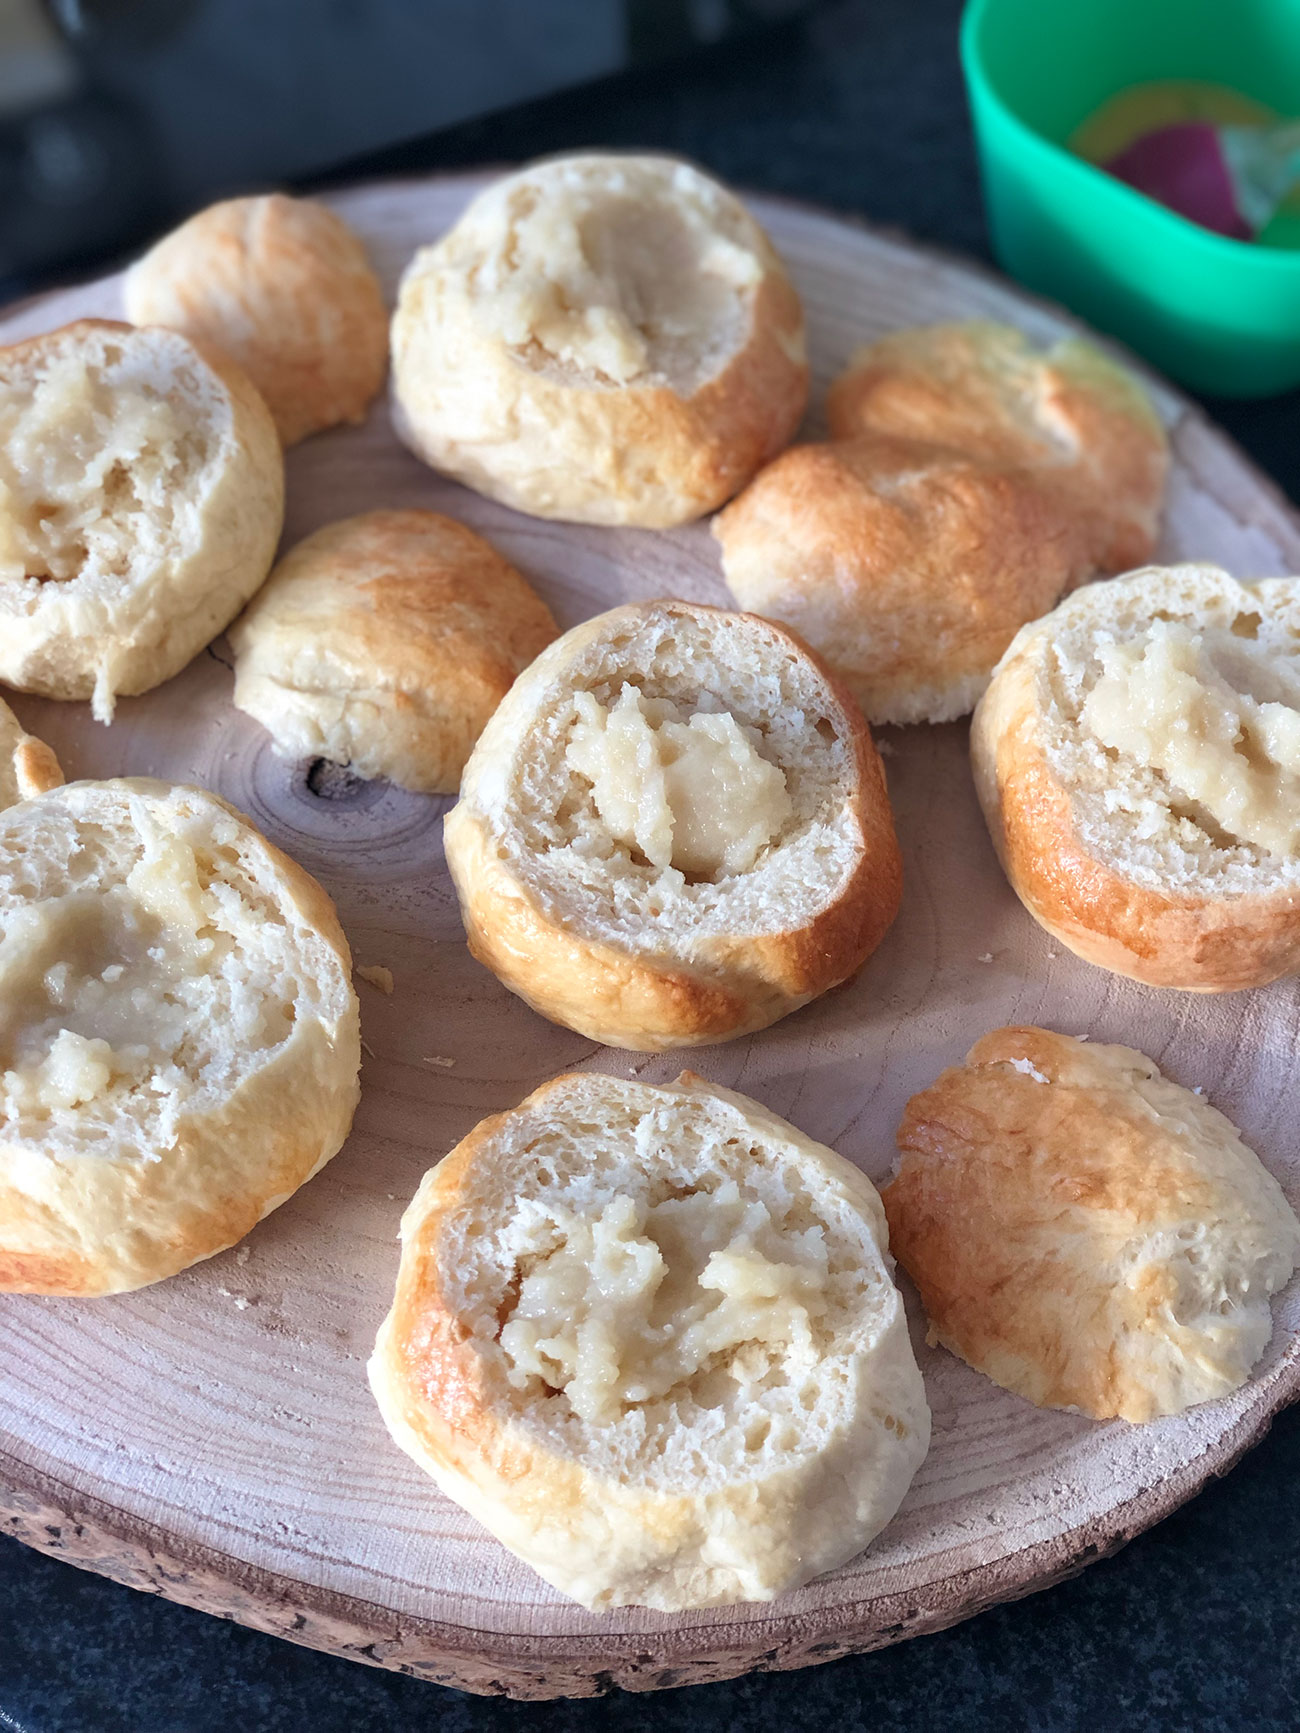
x: 213, y: 1438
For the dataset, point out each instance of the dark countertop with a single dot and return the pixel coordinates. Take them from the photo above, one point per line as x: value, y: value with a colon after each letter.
x: 1195, y: 1627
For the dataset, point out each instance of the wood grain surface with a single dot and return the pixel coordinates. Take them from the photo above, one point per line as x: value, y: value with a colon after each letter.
x: 213, y: 1438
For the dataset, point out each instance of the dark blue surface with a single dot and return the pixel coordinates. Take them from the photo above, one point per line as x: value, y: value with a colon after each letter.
x: 1194, y: 1628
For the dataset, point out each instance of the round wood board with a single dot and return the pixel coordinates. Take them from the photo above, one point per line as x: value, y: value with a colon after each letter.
x: 213, y: 1439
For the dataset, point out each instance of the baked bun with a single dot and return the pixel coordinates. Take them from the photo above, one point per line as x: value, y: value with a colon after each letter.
x: 909, y: 566
x: 385, y: 642
x: 141, y: 497
x: 1085, y: 1232
x: 650, y: 1339
x: 1067, y: 412
x: 285, y: 287
x: 1137, y: 757
x: 609, y: 339
x: 179, y: 1042
x: 674, y: 830
x: 27, y: 765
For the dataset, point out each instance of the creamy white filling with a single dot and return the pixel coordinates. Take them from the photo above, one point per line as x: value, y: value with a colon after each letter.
x: 621, y: 1306
x: 1218, y: 717
x: 86, y: 465
x: 140, y: 989
x: 691, y: 792
x: 623, y: 280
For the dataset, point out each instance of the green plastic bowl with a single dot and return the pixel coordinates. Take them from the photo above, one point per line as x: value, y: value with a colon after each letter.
x: 1221, y: 315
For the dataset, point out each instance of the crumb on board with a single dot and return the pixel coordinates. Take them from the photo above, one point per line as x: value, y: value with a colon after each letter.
x: 1081, y: 1037
x: 377, y: 975
x: 1199, y: 1090
x: 885, y: 748
x: 366, y: 1047
x: 241, y: 1256
x: 985, y: 957
x: 438, y: 1059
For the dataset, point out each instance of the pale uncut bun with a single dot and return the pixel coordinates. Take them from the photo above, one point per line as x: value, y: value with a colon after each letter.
x: 285, y: 287
x: 648, y: 924
x: 27, y: 765
x: 1167, y: 846
x: 1067, y: 411
x: 1085, y: 1232
x: 909, y: 566
x: 650, y: 1339
x: 385, y: 642
x: 609, y: 339
x: 141, y: 497
x: 179, y: 1042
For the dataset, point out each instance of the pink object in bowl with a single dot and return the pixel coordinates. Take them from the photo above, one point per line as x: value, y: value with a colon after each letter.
x: 1183, y: 166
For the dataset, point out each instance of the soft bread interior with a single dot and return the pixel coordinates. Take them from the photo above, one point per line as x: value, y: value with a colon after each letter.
x: 683, y: 768
x: 604, y: 271
x: 149, y: 962
x: 106, y: 441
x: 663, y: 1290
x: 1170, y: 711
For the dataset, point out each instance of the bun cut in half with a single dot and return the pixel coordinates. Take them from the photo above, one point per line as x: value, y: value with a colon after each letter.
x: 27, y: 765
x: 607, y: 339
x: 674, y: 829
x: 650, y: 1339
x: 1067, y: 413
x: 1085, y: 1232
x: 179, y: 1041
x: 1137, y: 757
x: 141, y: 498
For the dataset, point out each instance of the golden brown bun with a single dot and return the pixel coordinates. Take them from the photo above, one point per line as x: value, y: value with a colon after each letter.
x: 1067, y: 412
x: 179, y: 1041
x: 608, y: 339
x: 1107, y: 851
x: 910, y: 567
x: 285, y: 287
x: 141, y: 498
x: 738, y: 1410
x: 27, y: 765
x: 1085, y: 1232
x: 585, y: 925
x: 385, y: 642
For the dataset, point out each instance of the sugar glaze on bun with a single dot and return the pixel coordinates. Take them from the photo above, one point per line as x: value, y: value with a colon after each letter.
x: 607, y: 339
x: 141, y: 498
x: 650, y: 1339
x: 179, y: 1041
x: 1085, y: 1232
x: 27, y: 765
x: 674, y: 830
x: 1137, y: 757
x: 284, y: 287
